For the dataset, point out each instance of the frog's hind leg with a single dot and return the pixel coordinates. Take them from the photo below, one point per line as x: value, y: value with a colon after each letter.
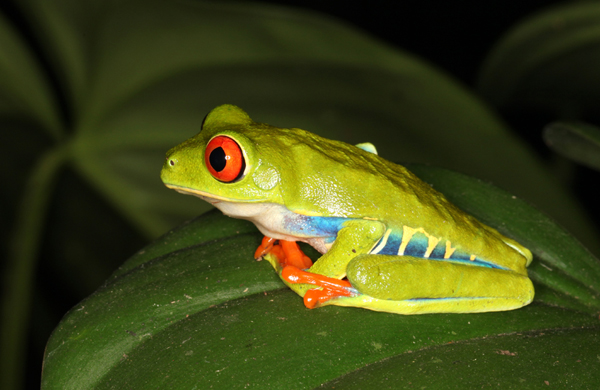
x: 413, y: 285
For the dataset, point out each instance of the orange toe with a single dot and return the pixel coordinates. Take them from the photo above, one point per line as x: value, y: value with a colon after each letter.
x: 265, y: 247
x: 330, y: 287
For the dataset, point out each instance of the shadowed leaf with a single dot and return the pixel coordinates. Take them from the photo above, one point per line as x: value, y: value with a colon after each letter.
x: 548, y: 61
x: 578, y: 141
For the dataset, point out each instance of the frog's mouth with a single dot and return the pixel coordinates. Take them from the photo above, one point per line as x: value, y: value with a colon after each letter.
x: 254, y: 209
x: 208, y: 197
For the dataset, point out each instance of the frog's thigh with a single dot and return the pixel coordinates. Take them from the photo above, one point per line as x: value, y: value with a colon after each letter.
x: 437, y: 285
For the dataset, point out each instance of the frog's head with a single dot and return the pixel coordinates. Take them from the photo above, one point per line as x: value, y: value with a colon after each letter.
x: 232, y: 160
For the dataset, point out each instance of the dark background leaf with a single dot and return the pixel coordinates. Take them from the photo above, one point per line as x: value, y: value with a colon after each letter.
x: 132, y: 91
x: 579, y: 142
x: 549, y: 61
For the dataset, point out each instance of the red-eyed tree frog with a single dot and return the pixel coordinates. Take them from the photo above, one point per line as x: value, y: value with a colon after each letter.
x: 389, y: 241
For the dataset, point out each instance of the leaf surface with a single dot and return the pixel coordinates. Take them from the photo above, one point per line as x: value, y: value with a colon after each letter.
x: 192, y: 311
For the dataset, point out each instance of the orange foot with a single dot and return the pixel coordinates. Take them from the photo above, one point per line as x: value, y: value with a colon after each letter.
x: 330, y: 287
x: 287, y: 252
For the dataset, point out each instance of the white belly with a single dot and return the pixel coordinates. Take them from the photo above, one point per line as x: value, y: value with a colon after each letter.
x: 269, y: 219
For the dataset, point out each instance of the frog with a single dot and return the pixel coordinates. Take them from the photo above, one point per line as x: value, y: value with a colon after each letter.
x: 387, y: 240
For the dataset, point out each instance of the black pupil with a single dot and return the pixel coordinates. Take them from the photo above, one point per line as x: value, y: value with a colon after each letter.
x: 218, y: 159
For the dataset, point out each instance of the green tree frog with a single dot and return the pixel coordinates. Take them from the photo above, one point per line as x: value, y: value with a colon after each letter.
x: 389, y: 241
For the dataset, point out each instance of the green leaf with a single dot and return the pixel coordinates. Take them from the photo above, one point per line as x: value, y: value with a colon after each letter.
x: 194, y: 309
x: 529, y: 360
x: 550, y: 60
x: 577, y: 141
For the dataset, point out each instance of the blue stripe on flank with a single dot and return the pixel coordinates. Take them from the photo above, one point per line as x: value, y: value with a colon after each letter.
x: 328, y: 227
x: 306, y: 226
x: 460, y: 255
x: 392, y: 245
x: 438, y: 251
x: 417, y: 247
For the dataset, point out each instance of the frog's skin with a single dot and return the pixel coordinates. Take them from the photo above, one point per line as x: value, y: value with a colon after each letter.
x: 401, y: 245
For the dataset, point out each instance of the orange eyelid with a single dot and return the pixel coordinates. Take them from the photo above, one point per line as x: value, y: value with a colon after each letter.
x: 233, y: 159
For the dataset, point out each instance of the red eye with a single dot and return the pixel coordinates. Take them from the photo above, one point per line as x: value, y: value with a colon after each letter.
x: 224, y: 159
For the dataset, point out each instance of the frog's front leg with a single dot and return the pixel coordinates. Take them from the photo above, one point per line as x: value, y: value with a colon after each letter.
x: 322, y: 281
x: 355, y: 237
x: 285, y: 253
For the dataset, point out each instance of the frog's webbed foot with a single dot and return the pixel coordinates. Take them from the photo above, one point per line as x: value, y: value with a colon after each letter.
x: 330, y: 287
x: 287, y: 253
x: 291, y: 262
